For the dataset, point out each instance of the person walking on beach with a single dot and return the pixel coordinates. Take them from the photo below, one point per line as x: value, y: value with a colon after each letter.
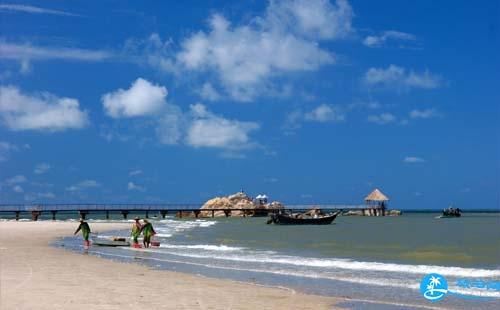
x: 148, y: 232
x: 136, y: 232
x: 85, y: 228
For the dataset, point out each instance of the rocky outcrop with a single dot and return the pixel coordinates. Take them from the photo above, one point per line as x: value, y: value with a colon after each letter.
x: 229, y: 205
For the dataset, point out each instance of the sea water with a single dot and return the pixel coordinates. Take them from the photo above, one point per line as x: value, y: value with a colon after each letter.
x: 364, y: 258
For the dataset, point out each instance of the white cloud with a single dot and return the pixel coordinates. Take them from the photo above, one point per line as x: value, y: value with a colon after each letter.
x: 208, y: 92
x: 18, y: 189
x: 325, y: 113
x: 5, y: 149
x: 16, y: 180
x: 27, y: 51
x: 141, y: 99
x: 378, y: 41
x: 413, y: 160
x: 244, y: 59
x: 400, y: 78
x: 209, y: 130
x: 135, y: 172
x: 36, y: 196
x: 322, y: 113
x: 382, y: 119
x: 42, y: 111
x: 41, y: 168
x: 33, y: 9
x: 134, y: 187
x: 25, y: 67
x: 316, y: 19
x: 83, y: 185
x: 425, y: 114
x: 172, y: 125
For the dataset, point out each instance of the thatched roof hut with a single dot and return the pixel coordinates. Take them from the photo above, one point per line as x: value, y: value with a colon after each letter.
x: 376, y: 195
x: 376, y: 199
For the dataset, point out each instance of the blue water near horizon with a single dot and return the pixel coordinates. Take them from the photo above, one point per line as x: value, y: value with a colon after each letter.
x: 366, y: 258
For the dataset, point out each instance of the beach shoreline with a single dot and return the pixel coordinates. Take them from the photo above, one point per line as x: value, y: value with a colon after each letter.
x: 35, y: 274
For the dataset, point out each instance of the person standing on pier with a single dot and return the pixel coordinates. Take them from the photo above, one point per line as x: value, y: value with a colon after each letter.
x: 85, y: 228
x: 136, y: 232
x: 148, y: 232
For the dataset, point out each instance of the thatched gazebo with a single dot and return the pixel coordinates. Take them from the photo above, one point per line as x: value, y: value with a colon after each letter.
x: 376, y: 203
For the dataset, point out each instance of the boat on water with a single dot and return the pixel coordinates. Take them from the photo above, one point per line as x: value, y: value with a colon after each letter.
x: 313, y: 217
x: 451, y: 212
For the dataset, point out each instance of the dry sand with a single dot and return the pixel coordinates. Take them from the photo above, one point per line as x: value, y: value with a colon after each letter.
x: 34, y: 275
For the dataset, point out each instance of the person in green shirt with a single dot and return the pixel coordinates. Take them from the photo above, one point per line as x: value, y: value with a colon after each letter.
x: 85, y: 228
x: 136, y: 231
x: 148, y: 232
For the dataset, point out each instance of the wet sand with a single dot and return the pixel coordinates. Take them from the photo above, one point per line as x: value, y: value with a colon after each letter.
x: 35, y: 275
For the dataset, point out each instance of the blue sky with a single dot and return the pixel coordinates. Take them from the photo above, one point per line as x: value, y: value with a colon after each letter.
x: 308, y: 101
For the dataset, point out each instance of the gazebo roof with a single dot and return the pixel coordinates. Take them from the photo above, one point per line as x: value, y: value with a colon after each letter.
x: 376, y: 195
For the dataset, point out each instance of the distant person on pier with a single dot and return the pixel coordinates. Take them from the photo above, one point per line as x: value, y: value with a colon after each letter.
x: 136, y: 232
x: 85, y: 228
x: 148, y: 232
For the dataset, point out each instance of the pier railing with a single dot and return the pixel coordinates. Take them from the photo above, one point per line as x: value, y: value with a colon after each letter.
x: 180, y: 210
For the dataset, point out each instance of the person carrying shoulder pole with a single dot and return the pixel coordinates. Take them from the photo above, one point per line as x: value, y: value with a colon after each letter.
x: 148, y: 232
x: 136, y: 232
x: 85, y: 228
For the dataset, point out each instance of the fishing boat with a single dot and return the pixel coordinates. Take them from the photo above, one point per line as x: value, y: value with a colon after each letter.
x: 451, y: 212
x: 302, y: 219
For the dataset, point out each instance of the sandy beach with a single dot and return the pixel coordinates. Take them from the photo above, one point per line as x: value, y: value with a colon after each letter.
x: 35, y: 275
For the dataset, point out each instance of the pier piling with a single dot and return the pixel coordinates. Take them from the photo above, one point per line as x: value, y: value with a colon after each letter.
x: 35, y: 215
x: 125, y: 214
x: 53, y: 215
x: 107, y: 215
x: 163, y: 213
x: 17, y: 215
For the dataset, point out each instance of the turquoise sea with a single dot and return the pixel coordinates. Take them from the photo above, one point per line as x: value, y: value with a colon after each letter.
x: 379, y: 259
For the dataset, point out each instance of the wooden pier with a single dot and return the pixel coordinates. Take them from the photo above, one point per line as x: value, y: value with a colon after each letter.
x: 148, y: 210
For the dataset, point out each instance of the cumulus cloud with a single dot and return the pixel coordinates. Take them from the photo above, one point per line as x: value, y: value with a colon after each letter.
x: 32, y: 9
x: 134, y: 187
x: 391, y: 35
x: 424, y: 114
x: 197, y: 128
x: 325, y: 113
x: 83, y: 185
x: 141, y: 99
x: 41, y: 168
x: 413, y: 160
x: 209, y: 130
x: 400, y: 78
x: 322, y: 113
x: 244, y: 59
x: 42, y: 111
x: 382, y: 118
x: 316, y: 19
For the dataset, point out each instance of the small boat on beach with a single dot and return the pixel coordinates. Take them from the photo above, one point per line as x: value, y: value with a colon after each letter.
x: 114, y: 242
x: 312, y: 217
